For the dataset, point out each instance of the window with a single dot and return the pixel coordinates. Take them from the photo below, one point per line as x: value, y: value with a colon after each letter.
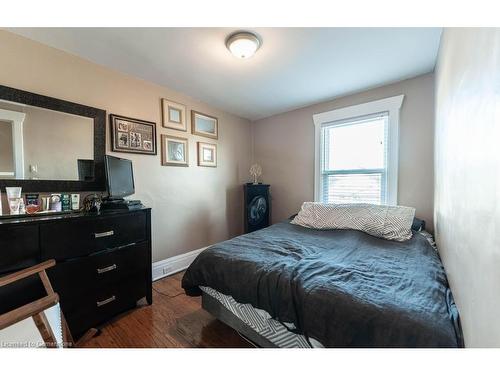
x: 354, y: 162
x: 356, y: 153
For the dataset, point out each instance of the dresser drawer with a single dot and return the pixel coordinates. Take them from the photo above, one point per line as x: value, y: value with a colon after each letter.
x: 18, y: 247
x: 73, y: 239
x: 82, y: 278
x: 109, y: 301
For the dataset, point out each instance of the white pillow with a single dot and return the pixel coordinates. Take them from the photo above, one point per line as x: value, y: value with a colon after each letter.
x: 388, y: 222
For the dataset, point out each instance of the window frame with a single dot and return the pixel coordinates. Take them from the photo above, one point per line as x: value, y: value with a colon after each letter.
x: 392, y: 106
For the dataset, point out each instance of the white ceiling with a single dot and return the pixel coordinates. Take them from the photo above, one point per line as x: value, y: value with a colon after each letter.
x: 294, y: 67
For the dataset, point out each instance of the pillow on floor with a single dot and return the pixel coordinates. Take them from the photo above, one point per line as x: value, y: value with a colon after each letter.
x: 388, y: 222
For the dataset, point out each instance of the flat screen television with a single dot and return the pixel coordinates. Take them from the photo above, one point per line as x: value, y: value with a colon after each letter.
x: 119, y: 177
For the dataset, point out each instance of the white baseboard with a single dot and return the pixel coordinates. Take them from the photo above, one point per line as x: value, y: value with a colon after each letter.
x: 174, y: 264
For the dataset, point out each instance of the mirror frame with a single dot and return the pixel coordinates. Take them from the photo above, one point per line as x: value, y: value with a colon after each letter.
x: 60, y: 186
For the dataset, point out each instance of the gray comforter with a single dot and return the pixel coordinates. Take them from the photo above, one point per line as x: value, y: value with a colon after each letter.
x: 344, y: 288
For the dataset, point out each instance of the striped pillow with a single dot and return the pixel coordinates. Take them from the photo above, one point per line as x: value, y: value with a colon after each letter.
x: 388, y: 222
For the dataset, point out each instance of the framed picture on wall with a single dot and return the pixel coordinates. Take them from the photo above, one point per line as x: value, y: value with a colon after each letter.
x: 132, y: 135
x: 174, y: 151
x: 204, y: 125
x: 173, y: 115
x: 207, y: 154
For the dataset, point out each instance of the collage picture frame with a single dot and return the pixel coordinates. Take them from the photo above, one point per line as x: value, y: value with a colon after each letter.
x: 131, y: 135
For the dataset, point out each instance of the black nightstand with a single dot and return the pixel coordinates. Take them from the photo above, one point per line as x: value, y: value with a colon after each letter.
x: 257, y: 207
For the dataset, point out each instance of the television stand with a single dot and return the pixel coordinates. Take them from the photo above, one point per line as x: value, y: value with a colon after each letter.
x: 120, y: 204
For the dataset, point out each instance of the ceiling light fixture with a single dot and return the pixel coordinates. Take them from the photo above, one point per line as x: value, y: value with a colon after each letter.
x: 243, y: 44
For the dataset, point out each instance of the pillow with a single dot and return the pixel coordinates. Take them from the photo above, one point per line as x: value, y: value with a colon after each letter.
x: 388, y: 222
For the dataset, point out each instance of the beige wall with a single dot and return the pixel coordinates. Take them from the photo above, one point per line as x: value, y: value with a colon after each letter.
x: 192, y: 207
x: 6, y: 150
x: 284, y: 146
x: 467, y: 189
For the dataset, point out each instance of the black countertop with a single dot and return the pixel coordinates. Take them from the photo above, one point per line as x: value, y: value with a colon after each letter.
x: 36, y: 218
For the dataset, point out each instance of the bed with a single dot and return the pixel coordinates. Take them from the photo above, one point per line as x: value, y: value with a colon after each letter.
x: 290, y: 286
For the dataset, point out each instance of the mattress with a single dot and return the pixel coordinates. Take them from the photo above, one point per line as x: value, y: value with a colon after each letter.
x: 258, y: 320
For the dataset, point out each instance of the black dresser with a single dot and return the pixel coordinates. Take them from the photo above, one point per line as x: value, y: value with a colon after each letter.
x: 103, y: 262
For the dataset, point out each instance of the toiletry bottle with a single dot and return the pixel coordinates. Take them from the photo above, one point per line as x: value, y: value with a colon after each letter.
x: 22, y: 207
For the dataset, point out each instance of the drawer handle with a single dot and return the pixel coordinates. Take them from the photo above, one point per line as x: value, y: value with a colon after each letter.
x: 104, y: 234
x: 106, y: 269
x: 106, y: 301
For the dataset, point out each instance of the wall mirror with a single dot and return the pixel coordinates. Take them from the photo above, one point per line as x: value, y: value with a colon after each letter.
x: 48, y: 144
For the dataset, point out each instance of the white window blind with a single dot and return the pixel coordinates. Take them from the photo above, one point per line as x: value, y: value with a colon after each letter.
x: 354, y: 159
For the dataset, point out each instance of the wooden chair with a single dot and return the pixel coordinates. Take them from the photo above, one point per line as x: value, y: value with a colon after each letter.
x: 36, y: 309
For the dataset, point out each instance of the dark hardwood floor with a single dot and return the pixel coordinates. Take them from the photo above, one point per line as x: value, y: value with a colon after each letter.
x: 174, y: 320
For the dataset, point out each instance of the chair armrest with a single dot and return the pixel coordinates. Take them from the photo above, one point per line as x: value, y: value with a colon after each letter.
x: 26, y: 311
x: 5, y: 280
